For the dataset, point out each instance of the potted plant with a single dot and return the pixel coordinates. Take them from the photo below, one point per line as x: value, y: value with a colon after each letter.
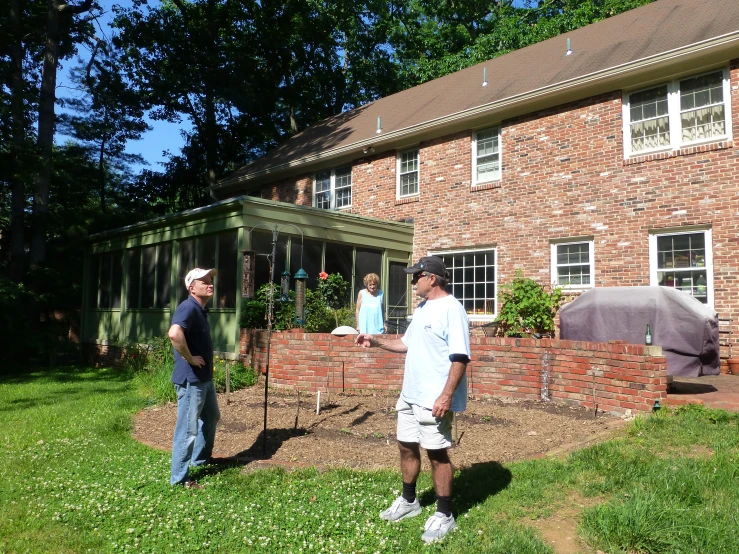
x: 527, y: 307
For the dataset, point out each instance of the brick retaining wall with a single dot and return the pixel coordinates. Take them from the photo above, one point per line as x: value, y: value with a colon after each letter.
x: 616, y: 376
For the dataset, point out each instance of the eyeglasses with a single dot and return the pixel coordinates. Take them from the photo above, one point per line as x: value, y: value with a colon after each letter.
x: 418, y: 276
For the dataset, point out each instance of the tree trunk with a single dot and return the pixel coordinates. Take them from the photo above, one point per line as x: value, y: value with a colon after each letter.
x: 45, y: 139
x: 18, y: 189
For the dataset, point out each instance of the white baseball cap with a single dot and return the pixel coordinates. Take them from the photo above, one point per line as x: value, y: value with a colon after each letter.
x: 198, y: 273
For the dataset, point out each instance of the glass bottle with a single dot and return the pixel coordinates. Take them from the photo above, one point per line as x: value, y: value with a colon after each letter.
x: 648, y: 336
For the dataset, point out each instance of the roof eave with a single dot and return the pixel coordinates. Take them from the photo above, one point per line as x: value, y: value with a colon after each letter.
x: 550, y: 94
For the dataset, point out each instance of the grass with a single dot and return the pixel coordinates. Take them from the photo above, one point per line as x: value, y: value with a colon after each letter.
x: 73, y: 480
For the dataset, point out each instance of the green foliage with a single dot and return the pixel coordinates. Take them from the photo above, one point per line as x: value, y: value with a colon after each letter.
x: 253, y: 314
x: 527, y: 307
x: 326, y: 307
x: 152, y: 363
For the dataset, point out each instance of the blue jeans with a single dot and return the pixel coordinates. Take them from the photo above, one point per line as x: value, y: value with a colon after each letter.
x: 195, y: 431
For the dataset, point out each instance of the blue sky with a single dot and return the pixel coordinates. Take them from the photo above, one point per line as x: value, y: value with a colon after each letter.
x: 163, y: 136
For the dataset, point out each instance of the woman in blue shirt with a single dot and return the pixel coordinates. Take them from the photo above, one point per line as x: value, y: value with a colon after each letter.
x: 370, y: 318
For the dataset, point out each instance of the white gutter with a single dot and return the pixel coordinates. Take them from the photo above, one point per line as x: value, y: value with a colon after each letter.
x: 602, y: 75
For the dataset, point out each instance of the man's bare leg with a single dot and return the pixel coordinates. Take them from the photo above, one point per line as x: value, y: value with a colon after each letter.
x: 441, y: 471
x: 410, y: 461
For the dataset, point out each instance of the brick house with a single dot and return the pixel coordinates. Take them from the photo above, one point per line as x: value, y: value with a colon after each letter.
x: 602, y: 157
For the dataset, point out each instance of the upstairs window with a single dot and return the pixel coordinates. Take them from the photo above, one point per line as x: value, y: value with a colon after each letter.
x: 333, y: 189
x: 486, y: 156
x: 408, y: 173
x: 572, y: 264
x: 677, y: 114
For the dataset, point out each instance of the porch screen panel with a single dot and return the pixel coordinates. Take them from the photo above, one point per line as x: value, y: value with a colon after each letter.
x: 367, y: 261
x: 397, y: 298
x: 312, y: 259
x: 227, y: 264
x: 262, y: 245
x: 105, y: 272
x: 134, y: 278
x: 339, y: 260
x: 187, y: 262
x: 148, y: 276
x: 93, y: 277
x: 164, y: 268
x: 206, y: 255
x: 116, y: 280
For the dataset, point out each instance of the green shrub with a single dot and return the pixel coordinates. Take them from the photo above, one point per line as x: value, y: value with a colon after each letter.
x: 527, y: 307
x: 253, y: 314
x: 241, y: 376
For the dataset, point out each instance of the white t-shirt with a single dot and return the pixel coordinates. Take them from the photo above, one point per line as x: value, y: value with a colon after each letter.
x: 438, y: 329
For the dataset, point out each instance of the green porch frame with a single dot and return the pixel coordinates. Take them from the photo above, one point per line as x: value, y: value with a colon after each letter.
x: 134, y: 275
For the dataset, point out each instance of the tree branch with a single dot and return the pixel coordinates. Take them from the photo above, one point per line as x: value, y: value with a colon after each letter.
x: 73, y: 10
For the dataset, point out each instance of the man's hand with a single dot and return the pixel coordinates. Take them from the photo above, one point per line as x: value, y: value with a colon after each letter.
x: 198, y: 361
x: 363, y: 340
x: 441, y: 406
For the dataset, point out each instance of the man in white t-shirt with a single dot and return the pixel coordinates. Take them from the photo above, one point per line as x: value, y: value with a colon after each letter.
x: 437, y: 343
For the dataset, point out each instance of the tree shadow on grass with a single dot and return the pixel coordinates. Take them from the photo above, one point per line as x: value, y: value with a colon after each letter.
x: 66, y: 374
x: 473, y: 485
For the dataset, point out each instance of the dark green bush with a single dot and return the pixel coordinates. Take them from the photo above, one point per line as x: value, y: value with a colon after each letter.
x: 527, y: 307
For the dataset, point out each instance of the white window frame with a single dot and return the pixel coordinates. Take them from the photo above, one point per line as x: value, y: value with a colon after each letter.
x: 673, y: 114
x: 332, y: 190
x: 499, y: 174
x: 708, y: 236
x: 555, y: 266
x: 494, y: 250
x: 399, y: 157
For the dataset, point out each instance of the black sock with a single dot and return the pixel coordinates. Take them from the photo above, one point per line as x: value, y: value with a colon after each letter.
x: 444, y: 505
x: 409, y: 491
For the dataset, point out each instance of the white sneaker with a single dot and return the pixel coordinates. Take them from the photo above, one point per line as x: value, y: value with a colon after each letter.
x: 437, y: 526
x: 401, y: 509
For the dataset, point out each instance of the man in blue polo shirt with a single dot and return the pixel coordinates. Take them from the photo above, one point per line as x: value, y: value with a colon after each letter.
x: 197, y: 407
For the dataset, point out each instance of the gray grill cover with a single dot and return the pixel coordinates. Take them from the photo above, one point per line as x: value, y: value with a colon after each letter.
x: 686, y: 330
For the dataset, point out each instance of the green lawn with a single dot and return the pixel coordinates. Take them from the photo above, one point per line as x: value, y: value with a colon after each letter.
x: 73, y: 480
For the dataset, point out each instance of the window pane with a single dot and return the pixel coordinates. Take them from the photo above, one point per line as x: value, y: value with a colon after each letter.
x: 681, y: 263
x: 409, y: 173
x: 148, y: 276
x: 134, y: 279
x: 105, y: 274
x: 343, y: 186
x: 573, y: 264
x: 227, y: 266
x: 397, y: 297
x: 367, y: 261
x: 322, y: 190
x: 164, y: 269
x: 473, y: 280
x: 187, y: 262
x: 649, y: 125
x: 116, y: 280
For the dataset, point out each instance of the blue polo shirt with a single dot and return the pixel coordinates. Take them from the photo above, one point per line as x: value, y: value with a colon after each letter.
x: 193, y: 319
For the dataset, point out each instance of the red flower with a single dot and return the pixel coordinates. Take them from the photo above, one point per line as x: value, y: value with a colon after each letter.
x: 323, y: 275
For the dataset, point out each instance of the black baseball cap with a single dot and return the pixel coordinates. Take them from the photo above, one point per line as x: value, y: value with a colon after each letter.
x: 429, y: 264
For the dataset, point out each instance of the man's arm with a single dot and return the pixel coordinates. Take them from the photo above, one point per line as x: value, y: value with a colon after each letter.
x: 177, y: 337
x: 391, y: 345
x: 444, y: 402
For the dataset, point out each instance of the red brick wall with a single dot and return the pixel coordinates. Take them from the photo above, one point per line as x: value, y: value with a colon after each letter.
x: 564, y: 176
x: 615, y: 376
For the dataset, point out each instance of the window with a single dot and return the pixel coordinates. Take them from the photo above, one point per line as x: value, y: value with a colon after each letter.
x: 680, y: 113
x: 683, y: 260
x: 408, y: 173
x: 572, y: 264
x: 149, y: 277
x: 473, y: 281
x: 486, y: 156
x: 333, y: 189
